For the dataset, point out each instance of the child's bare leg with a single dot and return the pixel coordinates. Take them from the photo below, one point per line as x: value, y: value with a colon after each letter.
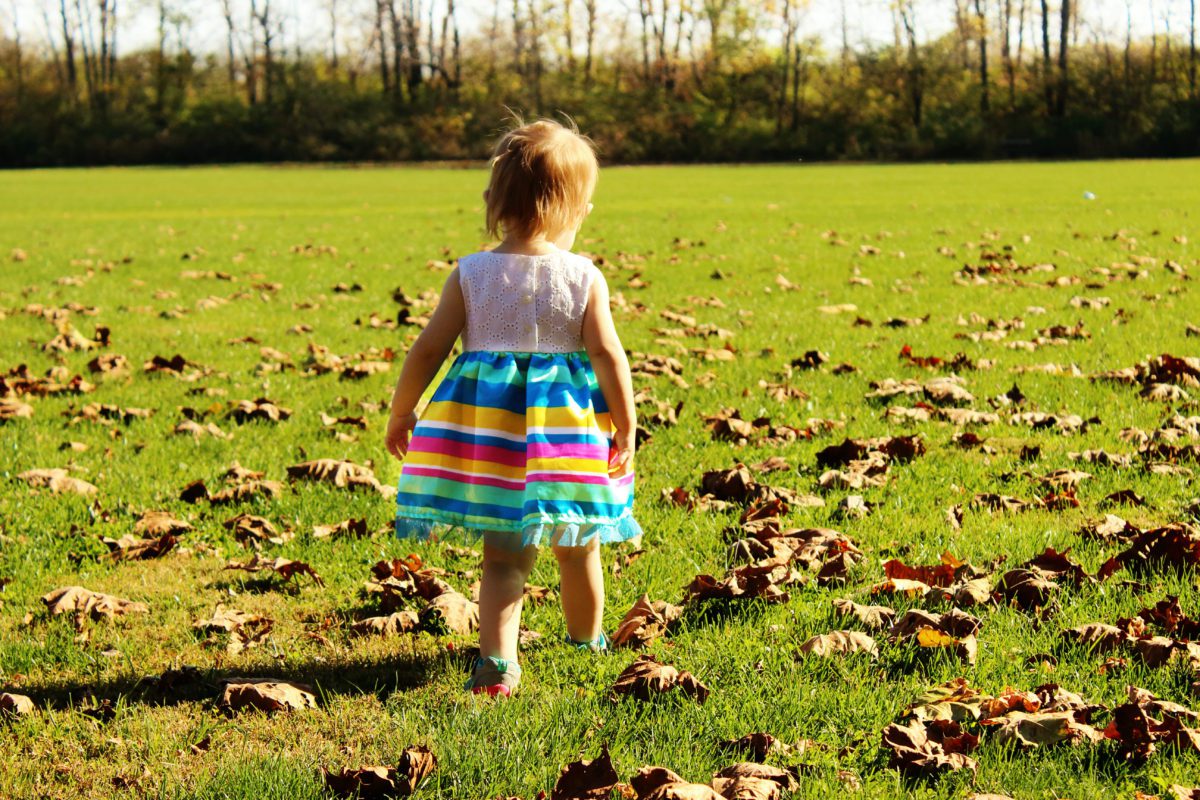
x: 582, y: 588
x: 500, y: 592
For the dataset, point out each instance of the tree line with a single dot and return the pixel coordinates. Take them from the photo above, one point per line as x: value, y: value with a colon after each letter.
x: 649, y: 80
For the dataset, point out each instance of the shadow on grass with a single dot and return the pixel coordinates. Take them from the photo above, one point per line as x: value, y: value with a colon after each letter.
x: 719, y: 611
x: 187, y: 684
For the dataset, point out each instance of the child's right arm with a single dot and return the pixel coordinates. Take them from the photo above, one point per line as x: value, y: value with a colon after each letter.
x: 612, y: 373
x: 421, y: 364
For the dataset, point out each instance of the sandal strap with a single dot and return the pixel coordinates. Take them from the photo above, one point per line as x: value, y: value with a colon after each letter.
x: 599, y: 644
x: 494, y: 671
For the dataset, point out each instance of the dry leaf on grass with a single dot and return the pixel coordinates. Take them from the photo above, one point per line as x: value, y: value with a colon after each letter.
x: 1040, y: 729
x: 159, y: 523
x: 368, y: 783
x: 450, y: 612
x: 839, y: 643
x: 914, y: 753
x: 16, y: 705
x: 342, y: 474
x: 587, y: 779
x: 253, y: 531
x: 355, y: 528
x: 283, y: 567
x: 58, y: 481
x: 265, y: 694
x: 245, y: 630
x: 645, y: 622
x: 245, y: 491
x: 1174, y: 546
x: 11, y: 408
x: 391, y: 625
x: 646, y: 677
x: 660, y: 783
x: 129, y: 548
x: 83, y: 602
x: 873, y: 618
x: 247, y: 410
x: 759, y: 745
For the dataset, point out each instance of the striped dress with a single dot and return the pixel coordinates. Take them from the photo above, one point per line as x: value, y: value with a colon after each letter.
x: 516, y: 436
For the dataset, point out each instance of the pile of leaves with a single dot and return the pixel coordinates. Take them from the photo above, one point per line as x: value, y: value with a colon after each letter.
x: 938, y: 732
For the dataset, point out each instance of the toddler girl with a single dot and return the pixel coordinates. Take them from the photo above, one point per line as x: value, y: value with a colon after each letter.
x: 529, y: 438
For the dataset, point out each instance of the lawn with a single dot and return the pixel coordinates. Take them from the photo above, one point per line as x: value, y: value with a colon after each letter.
x: 285, y: 284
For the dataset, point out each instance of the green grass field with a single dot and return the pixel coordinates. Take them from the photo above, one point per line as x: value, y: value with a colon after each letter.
x: 887, y: 239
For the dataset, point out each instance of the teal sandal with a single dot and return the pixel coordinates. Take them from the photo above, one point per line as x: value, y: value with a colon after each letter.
x: 494, y: 676
x: 597, y: 645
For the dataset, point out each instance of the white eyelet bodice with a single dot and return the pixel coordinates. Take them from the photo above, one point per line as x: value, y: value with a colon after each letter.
x: 528, y: 304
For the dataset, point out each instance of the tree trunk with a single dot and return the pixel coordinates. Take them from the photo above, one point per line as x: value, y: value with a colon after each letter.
x: 535, y: 49
x: 569, y: 33
x: 1192, y: 49
x: 644, y: 12
x: 59, y: 72
x: 412, y: 23
x: 397, y: 60
x: 915, y: 72
x: 160, y: 65
x: 86, y: 51
x: 1047, y: 80
x: 112, y: 43
x: 1064, y: 46
x: 799, y: 65
x: 227, y: 12
x: 1127, y: 74
x: 456, y: 53
x: 251, y: 58
x: 333, y: 47
x: 961, y: 35
x: 786, y: 52
x: 18, y: 56
x: 1006, y: 56
x: 518, y: 27
x: 268, y: 42
x: 590, y: 5
x: 984, y: 88
x: 1020, y: 35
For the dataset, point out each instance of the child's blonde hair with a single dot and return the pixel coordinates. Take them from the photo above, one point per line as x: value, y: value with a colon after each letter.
x: 543, y: 175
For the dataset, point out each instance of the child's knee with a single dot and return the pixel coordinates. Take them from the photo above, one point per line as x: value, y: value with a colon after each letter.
x: 503, y: 558
x: 575, y: 554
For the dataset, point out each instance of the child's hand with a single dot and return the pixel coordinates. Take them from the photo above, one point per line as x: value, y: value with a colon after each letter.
x: 398, y: 430
x: 620, y: 454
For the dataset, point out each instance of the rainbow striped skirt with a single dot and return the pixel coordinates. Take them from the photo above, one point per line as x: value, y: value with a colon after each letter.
x: 516, y: 443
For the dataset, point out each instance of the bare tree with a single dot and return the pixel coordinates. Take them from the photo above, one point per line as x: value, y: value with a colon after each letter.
x: 412, y: 30
x: 646, y: 13
x: 250, y: 57
x: 18, y: 55
x: 1192, y: 48
x: 590, y: 7
x: 569, y: 34
x: 981, y: 21
x: 915, y: 76
x: 789, y: 33
x: 518, y: 29
x: 962, y: 33
x: 269, y: 33
x: 333, y: 32
x: 1047, y: 80
x: 535, y: 50
x: 1064, y: 31
x: 230, y: 32
x: 1006, y: 56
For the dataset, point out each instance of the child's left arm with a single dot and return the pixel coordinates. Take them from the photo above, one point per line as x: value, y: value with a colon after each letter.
x: 421, y: 364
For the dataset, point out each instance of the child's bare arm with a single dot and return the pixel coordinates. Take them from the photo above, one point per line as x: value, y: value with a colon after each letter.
x: 421, y: 364
x: 612, y: 373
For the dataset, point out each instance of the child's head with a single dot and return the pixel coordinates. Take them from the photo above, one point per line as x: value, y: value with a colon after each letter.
x: 543, y: 175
